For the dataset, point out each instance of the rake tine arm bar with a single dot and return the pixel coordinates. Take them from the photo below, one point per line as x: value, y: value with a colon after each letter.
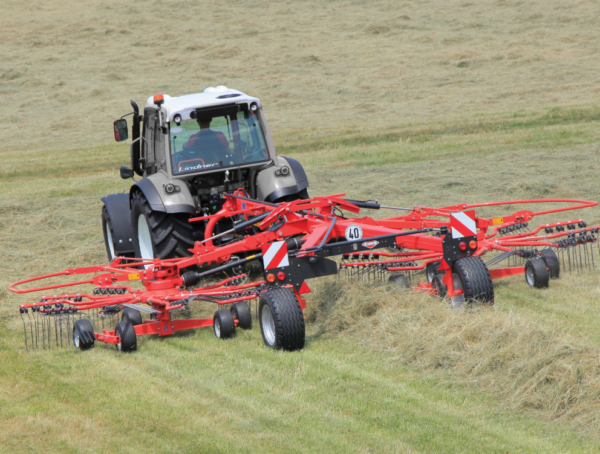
x: 581, y: 204
x: 532, y: 232
x: 390, y: 254
x: 536, y: 239
x: 383, y: 262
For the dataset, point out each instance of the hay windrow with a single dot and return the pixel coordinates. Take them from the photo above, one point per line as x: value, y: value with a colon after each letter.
x: 528, y: 363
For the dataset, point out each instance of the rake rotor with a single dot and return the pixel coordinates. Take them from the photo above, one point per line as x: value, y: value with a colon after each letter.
x: 293, y: 240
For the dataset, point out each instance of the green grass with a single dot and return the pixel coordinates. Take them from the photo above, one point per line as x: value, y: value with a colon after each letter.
x: 352, y: 389
x: 192, y: 393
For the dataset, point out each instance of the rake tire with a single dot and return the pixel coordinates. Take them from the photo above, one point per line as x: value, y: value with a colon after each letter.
x: 281, y: 320
x: 536, y: 273
x: 134, y: 316
x: 476, y: 280
x: 125, y: 331
x: 400, y: 280
x: 431, y: 270
x: 170, y: 234
x: 552, y: 263
x: 438, y: 284
x: 241, y: 311
x: 223, y: 324
x: 83, y: 334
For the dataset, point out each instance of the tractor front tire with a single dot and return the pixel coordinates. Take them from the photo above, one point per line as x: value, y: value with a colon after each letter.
x: 158, y: 234
x: 281, y: 320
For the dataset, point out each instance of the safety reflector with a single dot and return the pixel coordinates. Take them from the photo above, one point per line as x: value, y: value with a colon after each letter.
x: 275, y: 255
x: 463, y: 224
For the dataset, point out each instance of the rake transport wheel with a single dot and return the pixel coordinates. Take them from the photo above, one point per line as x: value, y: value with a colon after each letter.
x: 83, y: 334
x: 241, y: 312
x: 223, y: 324
x: 552, y: 263
x: 472, y: 275
x: 281, y: 319
x: 536, y: 273
x: 400, y: 280
x: 157, y: 234
x: 431, y: 270
x: 134, y: 316
x: 125, y: 331
x: 438, y: 284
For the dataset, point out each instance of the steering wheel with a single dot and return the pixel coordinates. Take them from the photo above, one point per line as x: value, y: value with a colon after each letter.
x: 251, y: 153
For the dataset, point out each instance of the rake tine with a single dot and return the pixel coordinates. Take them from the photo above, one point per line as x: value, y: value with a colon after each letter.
x: 25, y: 329
x: 35, y: 316
x: 55, y: 331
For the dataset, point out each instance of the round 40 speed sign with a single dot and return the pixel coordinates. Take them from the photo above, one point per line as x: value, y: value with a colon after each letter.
x: 353, y: 232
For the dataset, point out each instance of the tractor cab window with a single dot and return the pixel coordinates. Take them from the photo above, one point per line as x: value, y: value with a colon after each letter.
x: 217, y: 142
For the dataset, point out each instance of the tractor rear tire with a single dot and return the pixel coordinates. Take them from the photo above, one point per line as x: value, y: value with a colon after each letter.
x: 157, y: 234
x: 552, y: 263
x: 134, y: 316
x: 83, y: 334
x: 536, y: 273
x: 476, y: 280
x: 223, y: 324
x: 241, y: 311
x: 281, y: 320
x: 125, y: 331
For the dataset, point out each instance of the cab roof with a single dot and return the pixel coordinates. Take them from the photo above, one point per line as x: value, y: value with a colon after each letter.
x: 211, y: 96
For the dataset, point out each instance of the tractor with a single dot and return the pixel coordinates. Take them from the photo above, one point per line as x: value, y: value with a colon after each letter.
x: 188, y: 152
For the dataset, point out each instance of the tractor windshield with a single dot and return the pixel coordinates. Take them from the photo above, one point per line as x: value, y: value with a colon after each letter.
x: 217, y: 142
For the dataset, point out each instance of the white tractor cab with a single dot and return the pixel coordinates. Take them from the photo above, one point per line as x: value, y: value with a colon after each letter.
x: 191, y: 150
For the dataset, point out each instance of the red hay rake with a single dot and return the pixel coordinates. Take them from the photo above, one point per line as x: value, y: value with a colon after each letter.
x: 294, y: 242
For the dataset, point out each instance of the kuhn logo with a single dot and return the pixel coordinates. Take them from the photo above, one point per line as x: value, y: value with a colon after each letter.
x: 370, y: 244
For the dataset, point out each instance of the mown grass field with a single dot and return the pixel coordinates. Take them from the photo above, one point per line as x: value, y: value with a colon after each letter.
x: 412, y: 103
x: 383, y: 371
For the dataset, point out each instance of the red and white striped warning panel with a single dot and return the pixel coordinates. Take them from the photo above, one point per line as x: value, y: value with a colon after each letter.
x: 463, y: 224
x: 275, y: 255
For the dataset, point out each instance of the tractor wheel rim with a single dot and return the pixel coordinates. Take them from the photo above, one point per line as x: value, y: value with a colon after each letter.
x: 109, y: 240
x: 217, y: 328
x: 144, y: 239
x: 76, y: 339
x: 529, y: 276
x: 267, y: 325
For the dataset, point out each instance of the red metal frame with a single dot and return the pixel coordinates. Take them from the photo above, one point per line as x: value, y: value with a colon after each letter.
x: 315, y: 223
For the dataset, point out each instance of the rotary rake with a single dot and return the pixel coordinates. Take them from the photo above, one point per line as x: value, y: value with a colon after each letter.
x: 62, y: 319
x: 294, y: 242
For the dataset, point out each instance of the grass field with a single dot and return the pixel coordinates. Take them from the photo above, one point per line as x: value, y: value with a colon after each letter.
x: 412, y: 103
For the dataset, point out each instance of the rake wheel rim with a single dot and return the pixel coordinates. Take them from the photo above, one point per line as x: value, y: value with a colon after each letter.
x: 268, y: 324
x: 144, y: 239
x: 217, y: 328
x: 76, y: 339
x: 529, y: 276
x: 109, y: 240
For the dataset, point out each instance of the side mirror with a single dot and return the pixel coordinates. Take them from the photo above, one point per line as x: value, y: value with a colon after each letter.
x: 126, y: 172
x: 121, y: 130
